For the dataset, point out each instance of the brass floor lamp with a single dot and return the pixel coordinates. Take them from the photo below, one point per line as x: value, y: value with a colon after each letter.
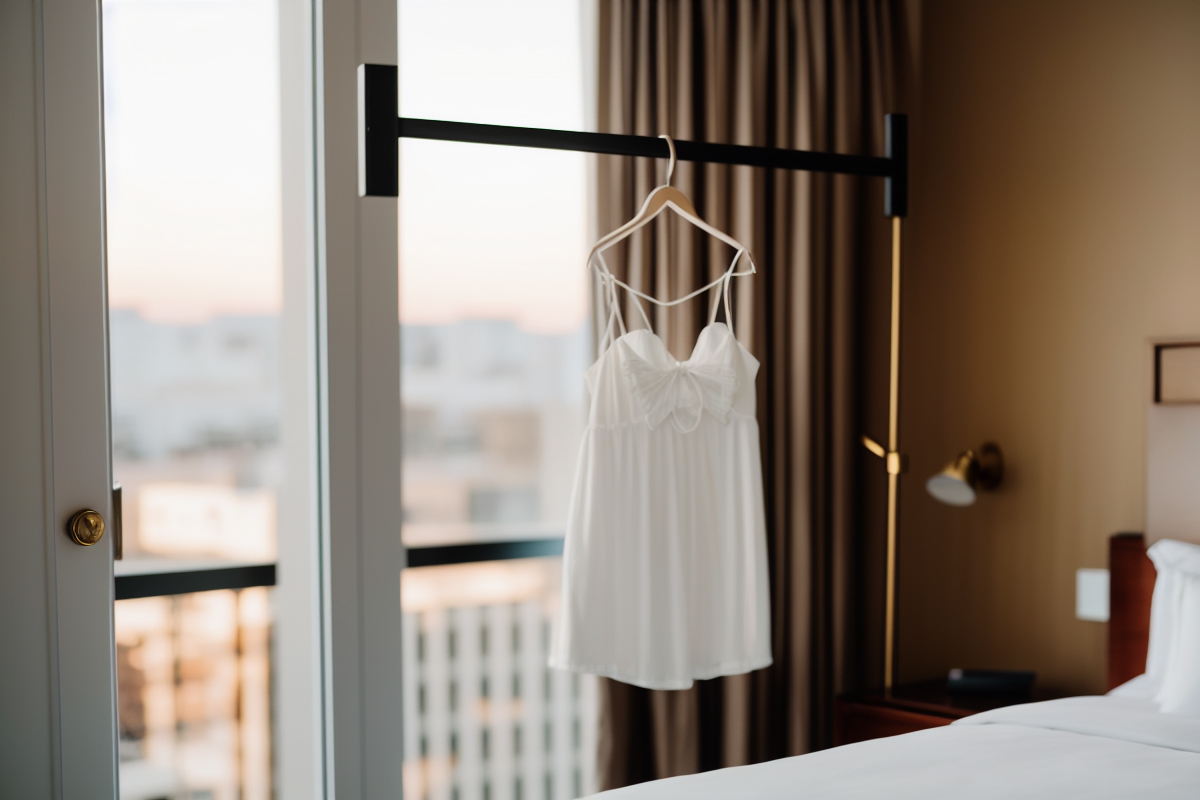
x: 895, y: 462
x: 896, y: 207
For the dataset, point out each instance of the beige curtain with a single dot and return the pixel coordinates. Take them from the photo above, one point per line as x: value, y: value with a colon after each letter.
x: 803, y: 74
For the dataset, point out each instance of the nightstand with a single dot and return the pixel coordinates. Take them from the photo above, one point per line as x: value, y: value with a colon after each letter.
x: 912, y: 707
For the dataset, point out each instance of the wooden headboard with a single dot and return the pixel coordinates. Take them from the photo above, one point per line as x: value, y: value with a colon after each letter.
x: 1131, y: 584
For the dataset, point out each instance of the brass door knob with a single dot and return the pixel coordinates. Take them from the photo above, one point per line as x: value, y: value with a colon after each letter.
x: 86, y: 527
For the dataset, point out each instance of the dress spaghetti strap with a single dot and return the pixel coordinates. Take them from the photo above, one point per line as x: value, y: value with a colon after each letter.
x: 609, y: 284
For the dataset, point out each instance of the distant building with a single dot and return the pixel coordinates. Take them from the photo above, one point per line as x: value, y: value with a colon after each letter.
x: 492, y: 419
x: 178, y: 389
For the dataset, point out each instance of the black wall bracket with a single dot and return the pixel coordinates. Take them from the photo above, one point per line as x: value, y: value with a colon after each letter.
x: 895, y: 189
x: 378, y: 131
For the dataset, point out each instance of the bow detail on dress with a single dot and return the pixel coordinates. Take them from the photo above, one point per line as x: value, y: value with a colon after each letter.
x: 682, y: 391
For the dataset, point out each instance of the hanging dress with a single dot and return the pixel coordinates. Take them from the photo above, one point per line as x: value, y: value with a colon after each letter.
x: 665, y: 564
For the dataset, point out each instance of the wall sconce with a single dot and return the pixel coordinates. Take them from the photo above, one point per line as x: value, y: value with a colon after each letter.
x: 963, y: 477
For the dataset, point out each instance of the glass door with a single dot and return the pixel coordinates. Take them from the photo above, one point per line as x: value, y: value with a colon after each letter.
x: 211, y: 353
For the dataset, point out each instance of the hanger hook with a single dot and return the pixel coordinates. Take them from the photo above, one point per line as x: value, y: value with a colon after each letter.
x: 671, y: 147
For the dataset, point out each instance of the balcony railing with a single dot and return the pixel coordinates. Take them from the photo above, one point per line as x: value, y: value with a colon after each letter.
x: 485, y: 718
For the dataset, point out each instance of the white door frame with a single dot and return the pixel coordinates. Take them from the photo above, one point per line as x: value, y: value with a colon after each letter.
x: 340, y: 731
x: 360, y: 381
x: 337, y: 601
x: 58, y: 735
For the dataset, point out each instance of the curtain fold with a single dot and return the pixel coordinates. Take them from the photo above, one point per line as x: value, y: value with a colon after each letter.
x: 800, y: 74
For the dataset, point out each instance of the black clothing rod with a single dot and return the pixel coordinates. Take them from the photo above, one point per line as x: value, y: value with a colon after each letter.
x: 616, y: 144
x: 380, y: 126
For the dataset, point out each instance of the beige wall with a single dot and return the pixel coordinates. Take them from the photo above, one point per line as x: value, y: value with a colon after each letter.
x: 1055, y: 231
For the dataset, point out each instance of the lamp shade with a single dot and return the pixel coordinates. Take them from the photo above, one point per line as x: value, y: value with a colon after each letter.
x: 958, y: 484
x: 955, y: 485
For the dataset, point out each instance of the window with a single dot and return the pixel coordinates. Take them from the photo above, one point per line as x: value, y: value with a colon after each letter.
x: 495, y: 338
x: 192, y: 150
x: 473, y: 725
x: 493, y: 291
x: 195, y: 285
x: 194, y: 691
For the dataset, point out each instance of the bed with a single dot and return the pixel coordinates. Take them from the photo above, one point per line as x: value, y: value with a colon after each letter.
x: 1085, y: 747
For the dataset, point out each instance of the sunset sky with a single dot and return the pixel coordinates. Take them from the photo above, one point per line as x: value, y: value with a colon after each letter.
x: 192, y: 126
x: 492, y: 231
x: 192, y: 157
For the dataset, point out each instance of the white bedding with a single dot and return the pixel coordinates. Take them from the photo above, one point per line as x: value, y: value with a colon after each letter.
x: 1079, y: 747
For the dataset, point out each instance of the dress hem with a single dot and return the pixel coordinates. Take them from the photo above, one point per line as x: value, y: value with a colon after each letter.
x: 721, y: 670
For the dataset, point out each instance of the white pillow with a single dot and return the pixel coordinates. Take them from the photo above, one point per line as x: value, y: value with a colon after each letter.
x: 1173, y: 658
x: 1180, y: 692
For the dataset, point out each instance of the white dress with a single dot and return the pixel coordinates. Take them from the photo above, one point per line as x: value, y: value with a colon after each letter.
x: 665, y: 564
